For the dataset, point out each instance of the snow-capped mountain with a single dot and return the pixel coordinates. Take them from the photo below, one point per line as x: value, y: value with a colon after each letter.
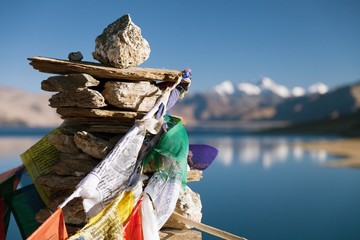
x: 318, y: 88
x: 268, y: 100
x: 224, y: 88
x: 298, y: 92
x: 266, y: 86
x: 249, y: 88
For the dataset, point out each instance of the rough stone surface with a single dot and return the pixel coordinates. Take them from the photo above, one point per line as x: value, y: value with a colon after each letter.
x: 91, y: 145
x: 96, y: 121
x: 63, y: 143
x: 73, y: 211
x: 139, y: 96
x: 121, y: 44
x: 67, y: 83
x: 55, y: 182
x: 78, y: 164
x: 194, y: 175
x: 84, y: 98
x: 69, y: 126
x: 75, y: 56
x: 109, y: 129
x: 188, y: 205
x: 98, y: 113
x: 58, y: 66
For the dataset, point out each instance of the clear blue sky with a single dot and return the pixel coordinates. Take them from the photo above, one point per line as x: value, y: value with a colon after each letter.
x: 294, y: 42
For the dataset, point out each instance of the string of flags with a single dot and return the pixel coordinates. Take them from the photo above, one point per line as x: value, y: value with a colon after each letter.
x: 130, y: 194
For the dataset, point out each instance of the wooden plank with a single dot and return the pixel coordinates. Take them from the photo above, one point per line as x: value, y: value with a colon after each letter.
x: 206, y: 228
x: 58, y: 66
x: 175, y: 234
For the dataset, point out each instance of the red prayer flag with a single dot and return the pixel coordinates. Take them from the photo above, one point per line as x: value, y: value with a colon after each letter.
x: 52, y: 229
x: 133, y: 226
x: 6, y: 175
x: 9, y: 181
x: 2, y: 223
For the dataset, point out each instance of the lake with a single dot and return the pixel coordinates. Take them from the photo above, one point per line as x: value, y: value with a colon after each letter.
x: 261, y: 187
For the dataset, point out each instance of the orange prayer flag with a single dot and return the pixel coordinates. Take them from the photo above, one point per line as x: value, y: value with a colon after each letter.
x: 133, y: 226
x: 52, y: 229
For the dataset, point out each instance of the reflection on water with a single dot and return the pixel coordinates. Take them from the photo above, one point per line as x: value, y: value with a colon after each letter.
x: 11, y: 148
x: 273, y: 189
x: 269, y: 187
x: 266, y: 150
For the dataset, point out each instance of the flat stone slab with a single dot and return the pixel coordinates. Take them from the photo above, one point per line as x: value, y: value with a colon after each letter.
x: 56, y: 182
x: 140, y: 96
x: 108, y: 129
x: 98, y: 113
x: 66, y: 83
x: 98, y: 121
x: 84, y: 98
x: 91, y: 145
x: 74, y: 164
x: 63, y: 143
x: 73, y: 211
x: 98, y: 71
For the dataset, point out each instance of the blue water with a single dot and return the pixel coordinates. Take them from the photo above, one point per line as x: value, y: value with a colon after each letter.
x: 261, y: 187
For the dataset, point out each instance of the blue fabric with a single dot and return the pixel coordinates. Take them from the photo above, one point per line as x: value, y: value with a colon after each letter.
x: 173, y: 98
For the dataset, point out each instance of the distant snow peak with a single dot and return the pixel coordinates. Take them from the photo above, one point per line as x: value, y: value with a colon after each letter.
x: 249, y: 88
x: 318, y: 88
x: 225, y: 88
x: 298, y: 91
x: 266, y: 84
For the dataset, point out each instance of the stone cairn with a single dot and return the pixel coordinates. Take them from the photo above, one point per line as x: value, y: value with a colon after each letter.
x: 99, y: 104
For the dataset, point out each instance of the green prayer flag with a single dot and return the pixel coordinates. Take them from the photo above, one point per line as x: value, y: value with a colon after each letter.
x: 174, y: 145
x: 24, y: 204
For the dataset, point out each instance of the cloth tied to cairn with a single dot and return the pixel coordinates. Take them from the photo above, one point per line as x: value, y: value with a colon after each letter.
x: 108, y: 178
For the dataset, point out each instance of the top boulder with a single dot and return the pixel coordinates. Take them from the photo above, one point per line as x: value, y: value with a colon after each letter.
x: 121, y: 45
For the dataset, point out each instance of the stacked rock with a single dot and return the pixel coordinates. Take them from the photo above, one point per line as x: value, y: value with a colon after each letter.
x: 99, y: 104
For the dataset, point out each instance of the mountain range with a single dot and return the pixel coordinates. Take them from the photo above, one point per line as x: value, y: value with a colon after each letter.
x: 266, y: 104
x: 20, y: 108
x: 227, y: 106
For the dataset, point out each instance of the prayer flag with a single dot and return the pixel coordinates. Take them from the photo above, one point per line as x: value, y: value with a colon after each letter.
x: 174, y: 145
x: 38, y: 160
x: 24, y: 204
x: 201, y: 156
x: 109, y: 222
x: 148, y: 220
x: 108, y: 178
x: 164, y: 192
x: 169, y: 156
x: 133, y: 226
x: 9, y: 181
x: 52, y: 229
x: 2, y: 222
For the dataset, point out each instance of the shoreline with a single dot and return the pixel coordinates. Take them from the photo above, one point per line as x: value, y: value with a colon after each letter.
x: 347, y: 149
